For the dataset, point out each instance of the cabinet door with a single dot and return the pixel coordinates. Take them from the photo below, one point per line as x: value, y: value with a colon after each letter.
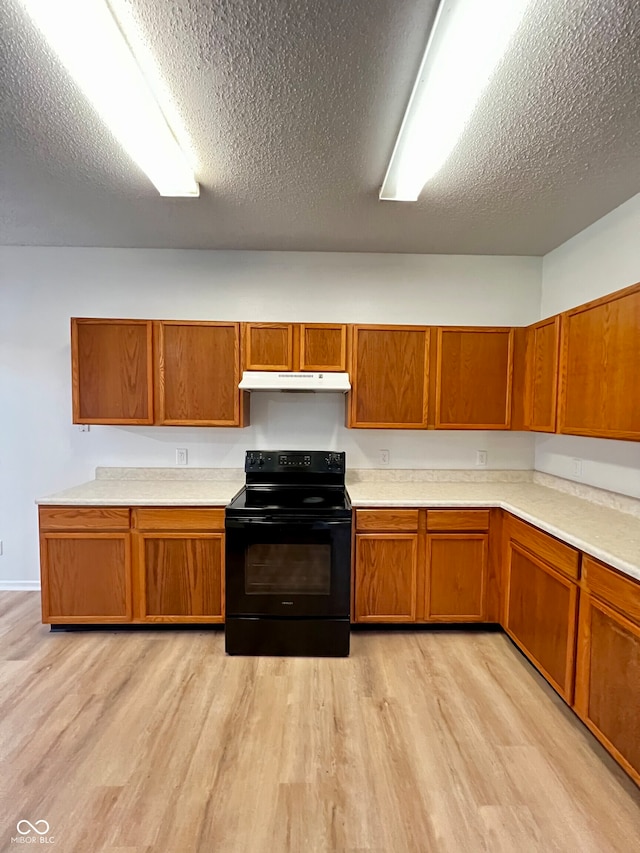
x: 456, y: 581
x: 473, y: 378
x: 268, y: 346
x: 179, y: 577
x: 112, y: 371
x: 600, y: 363
x: 608, y: 681
x: 542, y: 375
x: 540, y: 616
x: 386, y: 577
x: 389, y: 375
x: 86, y: 577
x: 198, y: 370
x: 323, y: 347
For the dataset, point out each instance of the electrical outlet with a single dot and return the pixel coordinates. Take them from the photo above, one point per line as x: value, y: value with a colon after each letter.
x: 577, y: 467
x: 383, y: 457
x: 481, y: 458
x: 181, y: 456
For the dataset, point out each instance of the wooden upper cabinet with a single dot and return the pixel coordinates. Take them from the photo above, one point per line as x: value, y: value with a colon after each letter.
x: 295, y: 346
x: 389, y: 377
x: 323, y: 347
x: 112, y: 371
x: 543, y: 341
x: 268, y: 346
x: 197, y: 373
x: 473, y: 378
x: 600, y: 364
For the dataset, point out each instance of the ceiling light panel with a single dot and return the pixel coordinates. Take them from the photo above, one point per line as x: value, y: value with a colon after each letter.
x: 466, y: 44
x: 88, y: 41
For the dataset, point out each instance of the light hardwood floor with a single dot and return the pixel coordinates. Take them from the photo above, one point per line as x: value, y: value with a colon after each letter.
x: 420, y: 741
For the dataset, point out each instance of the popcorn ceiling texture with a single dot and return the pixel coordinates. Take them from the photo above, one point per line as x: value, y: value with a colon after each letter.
x: 292, y: 109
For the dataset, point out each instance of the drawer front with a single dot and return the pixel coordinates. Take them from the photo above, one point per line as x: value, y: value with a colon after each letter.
x: 563, y: 558
x: 620, y: 592
x: 458, y: 519
x: 149, y: 518
x: 387, y: 519
x: 83, y: 518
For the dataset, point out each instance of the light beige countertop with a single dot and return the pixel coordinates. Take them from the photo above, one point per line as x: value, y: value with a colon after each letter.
x: 607, y: 534
x: 604, y: 532
x: 152, y: 487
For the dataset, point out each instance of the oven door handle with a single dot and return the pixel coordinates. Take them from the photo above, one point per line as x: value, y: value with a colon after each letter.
x: 272, y: 521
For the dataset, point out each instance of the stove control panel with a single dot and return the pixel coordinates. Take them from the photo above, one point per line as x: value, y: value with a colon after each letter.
x: 312, y: 461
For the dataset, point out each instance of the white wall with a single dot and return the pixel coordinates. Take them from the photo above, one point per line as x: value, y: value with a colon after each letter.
x: 40, y: 289
x: 602, y: 258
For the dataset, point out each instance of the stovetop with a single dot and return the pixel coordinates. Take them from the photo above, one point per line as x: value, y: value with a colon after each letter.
x: 286, y: 482
x: 298, y: 499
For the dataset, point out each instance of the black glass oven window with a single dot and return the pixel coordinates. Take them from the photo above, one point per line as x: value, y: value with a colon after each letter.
x: 275, y: 569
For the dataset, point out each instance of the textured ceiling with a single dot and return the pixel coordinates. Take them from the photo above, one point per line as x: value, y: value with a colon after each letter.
x: 292, y: 108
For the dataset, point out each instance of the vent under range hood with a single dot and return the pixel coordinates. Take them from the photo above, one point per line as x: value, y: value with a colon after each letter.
x: 268, y: 380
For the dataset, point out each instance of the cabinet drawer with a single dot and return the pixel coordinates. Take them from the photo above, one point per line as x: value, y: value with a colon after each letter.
x: 620, y: 592
x: 84, y: 518
x: 454, y: 519
x: 387, y: 519
x: 563, y: 558
x: 178, y: 519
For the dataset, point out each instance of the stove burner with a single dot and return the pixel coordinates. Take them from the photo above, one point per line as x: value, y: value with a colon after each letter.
x: 312, y: 500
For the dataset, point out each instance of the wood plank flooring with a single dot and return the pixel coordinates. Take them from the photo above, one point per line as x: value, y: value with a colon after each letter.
x: 420, y: 741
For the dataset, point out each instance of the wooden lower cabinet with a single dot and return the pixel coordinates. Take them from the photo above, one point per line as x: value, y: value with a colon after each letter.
x: 541, y: 608
x: 179, y: 577
x: 86, y: 577
x: 85, y: 564
x: 386, y: 577
x: 456, y: 582
x: 178, y: 565
x: 166, y: 565
x: 608, y: 665
x: 414, y: 565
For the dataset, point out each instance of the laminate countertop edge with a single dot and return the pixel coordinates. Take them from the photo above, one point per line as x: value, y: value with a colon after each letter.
x: 630, y: 569
x: 619, y: 531
x: 606, y: 534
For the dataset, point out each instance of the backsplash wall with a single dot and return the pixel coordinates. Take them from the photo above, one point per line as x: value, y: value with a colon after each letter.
x: 41, y: 288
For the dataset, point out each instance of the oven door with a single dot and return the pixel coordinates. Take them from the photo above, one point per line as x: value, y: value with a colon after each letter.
x: 288, y: 566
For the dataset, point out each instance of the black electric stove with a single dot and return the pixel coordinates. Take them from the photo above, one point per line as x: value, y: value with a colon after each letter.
x: 288, y: 556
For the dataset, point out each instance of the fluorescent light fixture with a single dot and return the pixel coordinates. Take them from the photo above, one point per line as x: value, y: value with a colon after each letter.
x: 466, y: 44
x: 89, y: 43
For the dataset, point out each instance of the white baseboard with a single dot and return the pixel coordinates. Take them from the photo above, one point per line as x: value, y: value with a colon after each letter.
x: 19, y: 586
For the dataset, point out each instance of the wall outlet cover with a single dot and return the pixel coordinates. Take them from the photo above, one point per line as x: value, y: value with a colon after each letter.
x: 182, y: 456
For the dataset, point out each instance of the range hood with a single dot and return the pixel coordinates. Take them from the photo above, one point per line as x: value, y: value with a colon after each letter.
x: 271, y: 380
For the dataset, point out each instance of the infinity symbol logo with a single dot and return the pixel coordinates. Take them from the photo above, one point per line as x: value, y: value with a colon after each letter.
x: 32, y: 827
